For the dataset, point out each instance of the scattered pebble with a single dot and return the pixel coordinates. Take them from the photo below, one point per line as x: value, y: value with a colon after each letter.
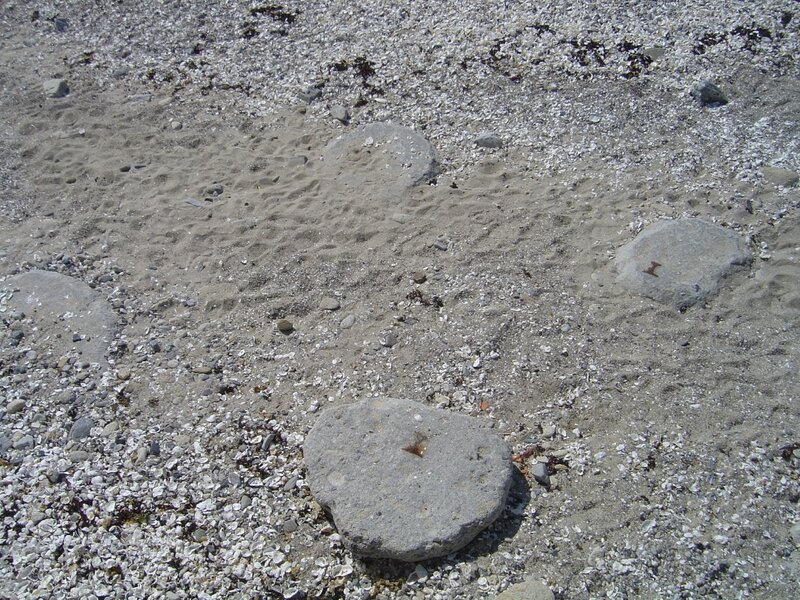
x: 340, y: 113
x: 55, y: 88
x: 15, y: 406
x: 81, y: 428
x: 708, y: 94
x: 488, y: 139
x: 329, y: 303
x: 285, y: 326
x: 540, y: 473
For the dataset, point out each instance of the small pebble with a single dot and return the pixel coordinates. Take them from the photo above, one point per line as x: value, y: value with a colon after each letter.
x: 24, y: 443
x: 708, y: 94
x: 388, y: 340
x: 340, y: 113
x: 290, y: 525
x: 55, y: 88
x: 347, y: 322
x: 419, y: 277
x: 81, y: 428
x: 285, y: 326
x: 539, y: 473
x: 488, y: 139
x: 329, y: 303
x: 15, y: 406
x: 77, y: 456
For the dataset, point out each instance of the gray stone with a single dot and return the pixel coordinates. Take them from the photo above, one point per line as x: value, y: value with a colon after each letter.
x: 24, y: 443
x: 328, y: 303
x: 5, y: 443
x: 680, y: 262
x: 387, y: 156
x: 310, y: 94
x: 81, y: 428
x: 77, y: 456
x: 780, y: 177
x: 539, y: 473
x: 406, y: 481
x: 487, y: 139
x: 388, y: 340
x: 61, y: 307
x: 55, y: 88
x: 794, y: 532
x: 527, y: 590
x: 654, y: 52
x: 708, y: 94
x: 15, y: 406
x: 340, y: 113
x: 347, y: 322
x: 285, y: 326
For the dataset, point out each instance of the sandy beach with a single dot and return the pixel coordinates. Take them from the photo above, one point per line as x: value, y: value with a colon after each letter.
x: 182, y: 178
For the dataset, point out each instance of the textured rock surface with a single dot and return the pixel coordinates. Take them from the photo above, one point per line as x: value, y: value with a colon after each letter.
x: 382, y: 154
x: 67, y: 312
x: 406, y: 481
x: 680, y: 262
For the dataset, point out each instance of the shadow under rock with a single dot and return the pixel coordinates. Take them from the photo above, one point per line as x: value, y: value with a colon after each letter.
x: 393, y: 574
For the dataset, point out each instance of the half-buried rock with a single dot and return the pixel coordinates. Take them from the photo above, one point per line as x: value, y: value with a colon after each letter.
x: 68, y: 314
x: 389, y: 156
x: 680, y: 262
x: 406, y: 481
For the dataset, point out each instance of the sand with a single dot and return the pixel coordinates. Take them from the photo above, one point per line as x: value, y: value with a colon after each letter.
x: 669, y: 435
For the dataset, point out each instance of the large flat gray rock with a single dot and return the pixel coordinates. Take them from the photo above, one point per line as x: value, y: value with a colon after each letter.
x: 406, y: 481
x: 680, y: 262
x: 389, y: 156
x: 68, y: 313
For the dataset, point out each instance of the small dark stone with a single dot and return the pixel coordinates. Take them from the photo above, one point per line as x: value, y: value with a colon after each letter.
x: 285, y: 326
x: 56, y: 476
x: 708, y: 94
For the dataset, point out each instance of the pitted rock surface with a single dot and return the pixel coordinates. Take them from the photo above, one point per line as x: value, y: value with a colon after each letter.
x: 406, y: 481
x: 69, y: 315
x: 385, y: 155
x: 680, y: 262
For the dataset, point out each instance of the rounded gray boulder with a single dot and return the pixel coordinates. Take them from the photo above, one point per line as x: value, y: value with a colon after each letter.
x: 68, y: 313
x: 389, y: 156
x: 406, y: 481
x: 680, y: 262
